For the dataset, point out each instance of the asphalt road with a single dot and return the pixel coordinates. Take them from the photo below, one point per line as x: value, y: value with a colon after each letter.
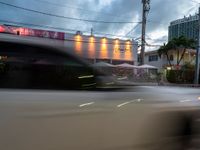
x: 137, y: 118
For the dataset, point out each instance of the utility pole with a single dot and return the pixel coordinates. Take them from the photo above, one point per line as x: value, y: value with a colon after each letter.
x: 198, y: 53
x: 145, y: 10
x: 91, y: 32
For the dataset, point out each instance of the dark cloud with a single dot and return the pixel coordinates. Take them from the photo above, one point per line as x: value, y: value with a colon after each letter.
x: 160, y: 15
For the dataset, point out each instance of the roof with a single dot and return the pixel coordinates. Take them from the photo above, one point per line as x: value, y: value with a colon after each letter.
x: 52, y: 44
x: 125, y: 65
x: 145, y: 66
x: 151, y: 52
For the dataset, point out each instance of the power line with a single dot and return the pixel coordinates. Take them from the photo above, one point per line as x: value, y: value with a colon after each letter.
x: 58, y: 28
x: 41, y: 26
x: 133, y: 29
x: 65, y: 17
x: 114, y: 35
x: 151, y: 45
x: 74, y: 7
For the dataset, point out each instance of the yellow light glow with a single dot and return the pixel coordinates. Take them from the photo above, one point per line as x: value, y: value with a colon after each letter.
x: 198, y: 98
x: 91, y: 47
x: 116, y: 42
x: 103, y: 40
x: 169, y: 68
x: 128, y: 45
x: 78, y: 44
x: 116, y: 49
x: 128, y: 51
x: 104, y: 48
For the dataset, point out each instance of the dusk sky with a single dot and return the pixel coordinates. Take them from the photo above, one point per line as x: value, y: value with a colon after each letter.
x: 160, y: 15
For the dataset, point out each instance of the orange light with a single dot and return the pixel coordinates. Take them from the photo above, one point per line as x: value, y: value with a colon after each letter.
x: 116, y: 49
x: 104, y: 48
x: 128, y: 52
x: 116, y: 42
x: 78, y: 45
x: 104, y: 41
x: 91, y: 47
x: 128, y: 45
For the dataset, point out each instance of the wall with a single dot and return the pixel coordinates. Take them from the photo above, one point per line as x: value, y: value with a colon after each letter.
x: 101, y: 48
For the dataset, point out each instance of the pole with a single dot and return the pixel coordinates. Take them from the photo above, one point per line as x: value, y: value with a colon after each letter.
x: 146, y: 8
x: 198, y: 53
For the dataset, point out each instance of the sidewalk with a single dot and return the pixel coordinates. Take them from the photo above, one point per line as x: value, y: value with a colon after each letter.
x: 182, y: 85
x: 130, y: 83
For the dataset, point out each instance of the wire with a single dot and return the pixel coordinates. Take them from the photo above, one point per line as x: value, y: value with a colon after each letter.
x: 42, y: 26
x: 64, y: 17
x: 74, y: 7
x: 151, y: 45
x: 133, y: 29
x: 58, y: 28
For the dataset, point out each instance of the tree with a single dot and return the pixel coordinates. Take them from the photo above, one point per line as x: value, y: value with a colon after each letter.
x: 180, y: 44
x: 164, y: 50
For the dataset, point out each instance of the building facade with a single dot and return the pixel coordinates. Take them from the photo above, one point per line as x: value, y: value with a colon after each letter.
x: 89, y: 47
x: 187, y: 26
x: 95, y: 49
x: 153, y: 58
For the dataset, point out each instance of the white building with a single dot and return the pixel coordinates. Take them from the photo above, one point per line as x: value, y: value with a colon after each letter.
x: 153, y: 58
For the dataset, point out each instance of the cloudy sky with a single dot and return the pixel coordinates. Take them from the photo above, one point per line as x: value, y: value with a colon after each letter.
x: 160, y: 15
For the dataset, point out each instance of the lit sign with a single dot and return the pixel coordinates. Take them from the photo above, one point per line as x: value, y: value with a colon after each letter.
x: 32, y: 32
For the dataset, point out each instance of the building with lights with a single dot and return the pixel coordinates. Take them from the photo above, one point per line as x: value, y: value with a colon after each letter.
x: 89, y: 47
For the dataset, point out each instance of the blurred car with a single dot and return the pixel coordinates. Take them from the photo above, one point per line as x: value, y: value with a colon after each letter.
x: 32, y: 63
x: 47, y: 102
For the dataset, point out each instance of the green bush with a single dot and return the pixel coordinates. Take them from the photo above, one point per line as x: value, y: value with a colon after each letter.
x: 180, y: 76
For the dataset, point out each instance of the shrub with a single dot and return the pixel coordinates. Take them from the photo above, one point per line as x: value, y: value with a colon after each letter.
x: 180, y: 76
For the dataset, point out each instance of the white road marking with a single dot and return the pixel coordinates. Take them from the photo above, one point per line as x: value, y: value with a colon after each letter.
x: 86, y: 104
x: 120, y: 105
x: 125, y: 103
x: 187, y: 100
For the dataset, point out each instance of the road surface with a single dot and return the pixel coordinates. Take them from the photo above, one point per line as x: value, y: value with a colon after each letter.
x: 118, y: 120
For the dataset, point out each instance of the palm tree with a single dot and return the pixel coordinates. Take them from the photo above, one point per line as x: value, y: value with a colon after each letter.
x: 164, y: 50
x: 180, y: 44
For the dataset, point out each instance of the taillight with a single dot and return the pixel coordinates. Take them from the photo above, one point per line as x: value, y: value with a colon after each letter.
x: 2, y: 29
